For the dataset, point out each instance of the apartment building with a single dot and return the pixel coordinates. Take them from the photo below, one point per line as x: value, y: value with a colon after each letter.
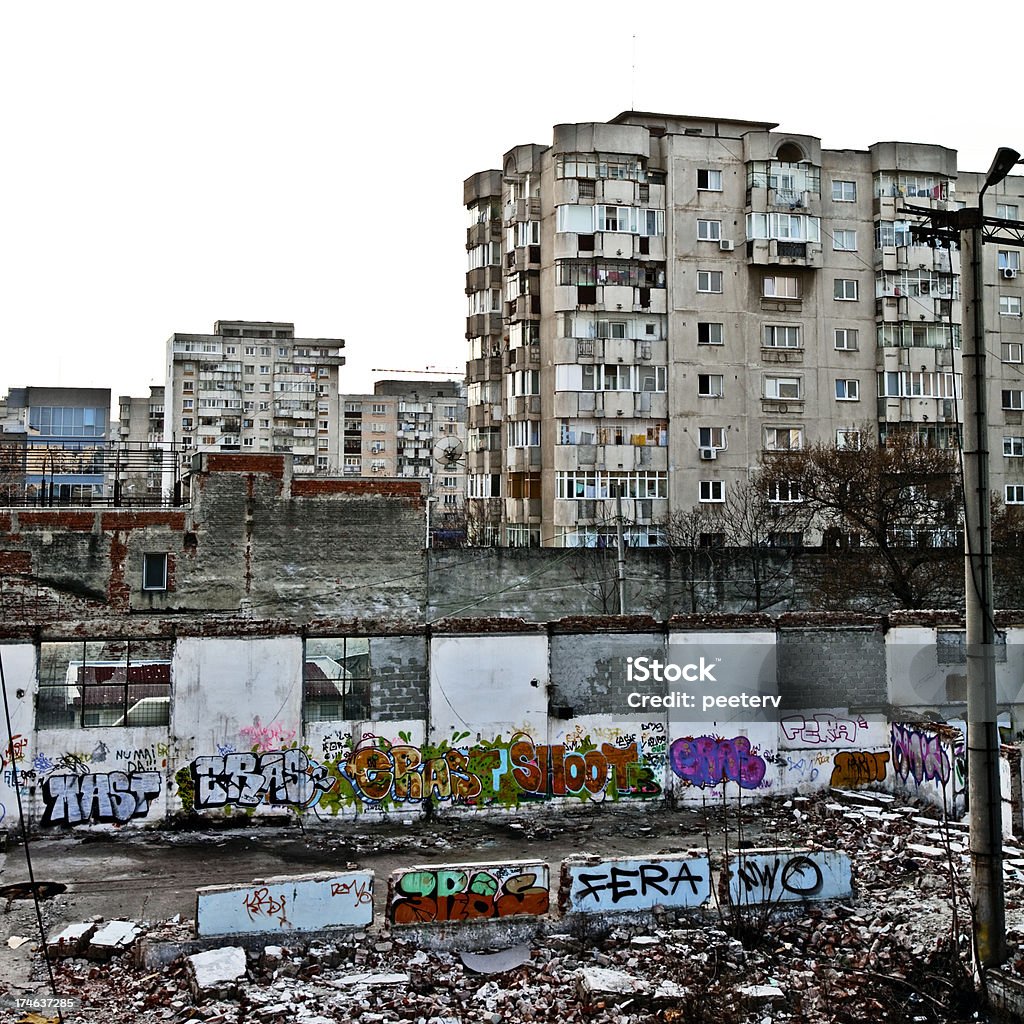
x: 254, y: 386
x: 409, y: 429
x: 139, y: 454
x: 656, y: 300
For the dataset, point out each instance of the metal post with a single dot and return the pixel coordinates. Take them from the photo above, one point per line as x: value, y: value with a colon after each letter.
x: 621, y: 550
x: 982, y: 730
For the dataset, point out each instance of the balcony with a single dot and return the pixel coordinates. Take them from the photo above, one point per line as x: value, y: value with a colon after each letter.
x: 781, y: 252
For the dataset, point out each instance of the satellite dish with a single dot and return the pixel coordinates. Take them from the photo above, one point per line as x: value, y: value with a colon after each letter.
x: 449, y: 451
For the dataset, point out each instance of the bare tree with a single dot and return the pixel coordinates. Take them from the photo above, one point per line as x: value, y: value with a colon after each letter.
x: 899, y: 500
x: 696, y: 542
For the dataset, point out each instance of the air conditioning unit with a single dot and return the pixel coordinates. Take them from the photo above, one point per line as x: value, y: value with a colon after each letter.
x: 726, y: 245
x: 707, y: 454
x: 1009, y: 273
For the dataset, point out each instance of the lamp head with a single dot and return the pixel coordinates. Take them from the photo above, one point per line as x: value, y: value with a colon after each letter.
x: 1002, y: 163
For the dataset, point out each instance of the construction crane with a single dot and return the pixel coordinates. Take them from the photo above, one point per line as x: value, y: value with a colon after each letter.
x: 429, y: 371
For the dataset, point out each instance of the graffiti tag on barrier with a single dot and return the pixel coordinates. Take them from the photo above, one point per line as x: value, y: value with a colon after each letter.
x: 823, y: 728
x: 788, y: 875
x: 475, y: 892
x: 114, y: 797
x: 707, y: 761
x: 636, y: 884
x: 360, y: 890
x: 262, y: 902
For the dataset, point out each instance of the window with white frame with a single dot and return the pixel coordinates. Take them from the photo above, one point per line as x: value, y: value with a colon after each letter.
x: 712, y: 437
x: 709, y: 230
x: 710, y: 385
x: 1011, y: 351
x: 154, y: 571
x: 784, y: 491
x: 709, y: 281
x: 847, y: 389
x: 709, y: 180
x: 1014, y: 494
x: 844, y: 289
x: 781, y: 336
x: 782, y: 388
x: 710, y: 333
x: 778, y: 286
x: 1013, y: 447
x: 1009, y: 305
x: 846, y: 339
x: 848, y: 440
x: 783, y: 439
x: 1007, y: 211
x: 792, y: 227
x: 844, y: 240
x: 1013, y: 398
x: 1009, y: 259
x: 844, y: 191
x: 711, y: 490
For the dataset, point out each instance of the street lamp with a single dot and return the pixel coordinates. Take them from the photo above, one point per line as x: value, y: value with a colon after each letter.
x: 982, y: 728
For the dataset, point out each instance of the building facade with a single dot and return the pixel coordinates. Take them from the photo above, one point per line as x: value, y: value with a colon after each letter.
x: 140, y: 434
x: 254, y: 387
x: 656, y: 301
x: 409, y: 429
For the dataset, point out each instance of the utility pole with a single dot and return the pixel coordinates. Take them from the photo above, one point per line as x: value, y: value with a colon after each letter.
x: 972, y: 228
x: 621, y: 572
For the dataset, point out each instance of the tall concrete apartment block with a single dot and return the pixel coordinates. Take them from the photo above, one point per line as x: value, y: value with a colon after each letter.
x: 657, y: 300
x: 409, y: 429
x: 254, y: 386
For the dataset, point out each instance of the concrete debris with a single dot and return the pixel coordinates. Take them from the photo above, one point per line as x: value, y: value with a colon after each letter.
x: 598, y: 983
x: 216, y: 974
x: 72, y: 940
x: 111, y: 939
x: 496, y: 963
x: 17, y: 941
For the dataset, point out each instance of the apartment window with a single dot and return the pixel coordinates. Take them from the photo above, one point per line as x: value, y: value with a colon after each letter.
x: 714, y: 490
x: 1013, y: 447
x: 847, y: 390
x: 186, y: 423
x: 784, y: 491
x: 782, y: 388
x: 779, y: 287
x: 709, y: 230
x: 781, y: 336
x: 1009, y: 305
x: 1014, y: 494
x: 848, y: 440
x: 844, y: 241
x: 1011, y: 351
x: 248, y: 442
x: 709, y: 281
x: 783, y: 439
x: 710, y: 334
x: 250, y: 350
x: 710, y: 385
x: 709, y: 180
x: 188, y: 403
x: 265, y: 388
x: 1013, y: 398
x: 712, y: 437
x: 322, y: 462
x: 265, y: 350
x: 154, y: 571
x: 378, y: 409
x: 264, y: 369
x: 846, y: 339
x: 844, y: 289
x: 844, y: 191
x: 264, y: 423
x: 1007, y: 211
x: 1009, y: 259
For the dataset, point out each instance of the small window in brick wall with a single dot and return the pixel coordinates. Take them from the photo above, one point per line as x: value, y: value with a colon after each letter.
x: 154, y: 570
x: 336, y: 679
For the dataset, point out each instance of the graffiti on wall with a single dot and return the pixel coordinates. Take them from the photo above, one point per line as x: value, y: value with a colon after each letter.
x: 468, y: 892
x: 377, y: 773
x: 262, y: 739
x: 112, y: 797
x: 638, y: 883
x: 825, y: 729
x: 706, y: 761
x: 853, y: 768
x: 249, y: 780
x: 924, y: 755
x: 787, y: 875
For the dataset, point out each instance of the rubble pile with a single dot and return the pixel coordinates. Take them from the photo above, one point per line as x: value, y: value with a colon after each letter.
x: 897, y: 951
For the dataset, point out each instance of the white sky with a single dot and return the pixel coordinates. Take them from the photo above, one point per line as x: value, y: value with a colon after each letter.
x: 169, y: 164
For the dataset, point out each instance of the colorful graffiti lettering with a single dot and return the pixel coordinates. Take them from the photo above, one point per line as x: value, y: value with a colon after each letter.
x: 473, y: 892
x: 261, y: 901
x: 401, y: 773
x: 858, y: 768
x: 42, y: 763
x: 282, y: 777
x: 14, y: 752
x: 115, y: 797
x: 263, y: 738
x: 920, y: 755
x: 707, y: 760
x: 822, y: 729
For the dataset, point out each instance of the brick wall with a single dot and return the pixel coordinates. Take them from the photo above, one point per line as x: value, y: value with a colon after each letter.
x: 398, y: 669
x: 832, y: 667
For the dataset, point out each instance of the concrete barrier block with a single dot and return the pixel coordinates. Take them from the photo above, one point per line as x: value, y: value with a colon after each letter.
x: 786, y: 875
x: 597, y: 885
x: 294, y: 903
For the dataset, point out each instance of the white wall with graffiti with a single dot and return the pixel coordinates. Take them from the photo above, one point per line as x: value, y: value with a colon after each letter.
x: 96, y: 741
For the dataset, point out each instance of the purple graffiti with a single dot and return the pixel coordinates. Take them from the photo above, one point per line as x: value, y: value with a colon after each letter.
x: 707, y: 760
x: 919, y: 754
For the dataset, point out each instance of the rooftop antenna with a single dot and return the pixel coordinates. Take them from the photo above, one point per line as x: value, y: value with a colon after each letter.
x: 632, y: 79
